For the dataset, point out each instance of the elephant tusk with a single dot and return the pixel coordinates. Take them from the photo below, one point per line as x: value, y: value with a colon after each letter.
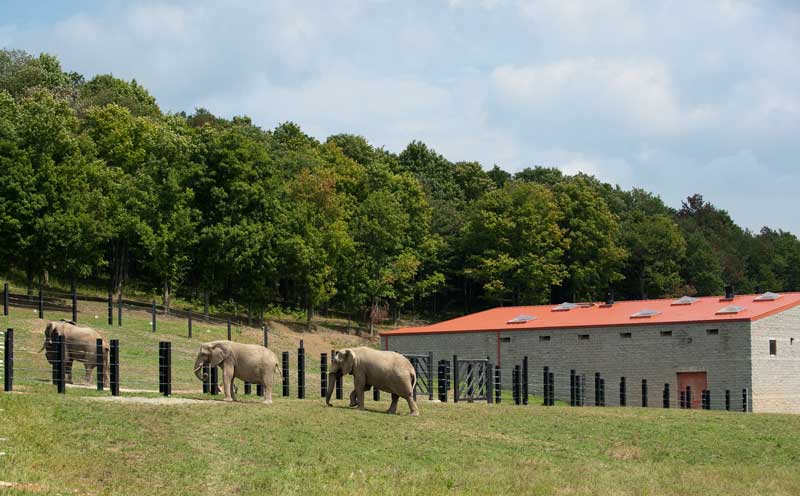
x: 197, y: 368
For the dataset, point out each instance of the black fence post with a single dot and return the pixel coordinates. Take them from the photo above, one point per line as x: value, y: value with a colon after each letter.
x: 229, y: 329
x: 551, y: 379
x: 41, y: 303
x: 5, y: 299
x: 74, y: 304
x: 8, y: 360
x: 602, y: 392
x: 248, y: 388
x: 168, y: 390
x: 110, y: 309
x: 376, y: 394
x: 572, y: 387
x: 455, y: 379
x: 689, y: 397
x: 61, y: 342
x: 744, y: 400
x: 323, y: 374
x: 155, y: 322
x: 440, y: 385
x: 189, y: 321
x: 623, y: 399
x: 101, y: 366
x: 665, y: 396
x: 161, y: 366
x: 682, y: 400
x: 707, y: 399
x: 301, y: 371
x: 285, y: 370
x: 525, y: 380
x: 727, y: 400
x: 497, y: 384
x: 644, y: 393
x: 545, y: 388
x: 214, y: 381
x: 265, y: 330
x: 207, y: 380
x: 578, y: 390
x: 430, y: 379
x: 515, y: 393
x: 114, y: 367
x: 488, y: 377
x: 259, y: 387
x: 339, y: 386
x: 119, y: 310
x: 597, y: 389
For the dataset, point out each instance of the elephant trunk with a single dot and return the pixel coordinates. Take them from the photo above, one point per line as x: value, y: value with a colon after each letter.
x: 198, y: 369
x: 331, y: 385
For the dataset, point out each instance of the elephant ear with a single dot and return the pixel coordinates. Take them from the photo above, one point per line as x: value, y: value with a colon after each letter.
x: 348, y: 361
x: 219, y: 353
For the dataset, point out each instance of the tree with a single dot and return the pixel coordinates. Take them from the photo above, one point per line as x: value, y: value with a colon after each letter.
x: 515, y: 244
x: 105, y: 89
x: 656, y: 248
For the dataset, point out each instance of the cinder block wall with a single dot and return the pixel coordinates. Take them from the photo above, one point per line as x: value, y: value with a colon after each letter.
x: 646, y: 354
x: 776, y: 379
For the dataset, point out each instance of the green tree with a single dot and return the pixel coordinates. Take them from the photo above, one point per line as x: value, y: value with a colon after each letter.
x: 657, y: 247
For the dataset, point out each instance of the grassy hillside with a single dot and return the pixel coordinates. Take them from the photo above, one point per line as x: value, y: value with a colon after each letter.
x: 82, y: 443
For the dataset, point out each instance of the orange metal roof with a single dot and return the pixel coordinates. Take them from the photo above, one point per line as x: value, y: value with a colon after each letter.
x: 619, y: 314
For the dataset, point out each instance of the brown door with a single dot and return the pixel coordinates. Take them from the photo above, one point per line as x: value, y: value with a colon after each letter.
x: 697, y: 382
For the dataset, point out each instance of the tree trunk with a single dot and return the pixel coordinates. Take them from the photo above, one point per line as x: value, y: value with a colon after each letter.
x: 205, y: 303
x: 166, y: 297
x: 309, y: 314
x: 119, y: 262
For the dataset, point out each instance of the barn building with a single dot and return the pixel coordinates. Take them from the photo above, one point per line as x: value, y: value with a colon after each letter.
x: 726, y: 345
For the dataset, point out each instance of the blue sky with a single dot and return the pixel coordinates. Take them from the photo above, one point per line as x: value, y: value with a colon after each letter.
x: 677, y: 98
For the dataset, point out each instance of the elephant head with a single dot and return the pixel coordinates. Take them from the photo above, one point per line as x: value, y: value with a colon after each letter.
x: 342, y: 363
x: 212, y: 354
x: 50, y: 335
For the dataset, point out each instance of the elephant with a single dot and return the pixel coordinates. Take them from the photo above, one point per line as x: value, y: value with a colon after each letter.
x: 81, y: 346
x: 249, y: 362
x: 384, y: 370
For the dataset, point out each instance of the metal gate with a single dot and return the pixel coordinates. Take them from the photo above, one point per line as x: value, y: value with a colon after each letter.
x: 423, y: 367
x: 471, y: 379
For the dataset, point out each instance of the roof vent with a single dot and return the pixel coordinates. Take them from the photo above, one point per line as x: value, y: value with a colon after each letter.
x: 685, y: 300
x: 521, y: 319
x: 730, y: 309
x: 644, y: 314
x: 564, y: 307
x: 768, y: 296
x: 728, y: 293
x: 610, y: 297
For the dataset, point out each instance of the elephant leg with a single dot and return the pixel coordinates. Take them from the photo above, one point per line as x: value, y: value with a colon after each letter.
x: 68, y: 370
x: 353, y: 398
x: 233, y: 390
x: 267, y: 383
x: 360, y: 398
x: 89, y: 366
x: 227, y: 382
x: 393, y: 407
x: 412, y: 405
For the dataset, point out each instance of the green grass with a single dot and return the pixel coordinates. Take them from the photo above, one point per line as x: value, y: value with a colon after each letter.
x: 73, y: 444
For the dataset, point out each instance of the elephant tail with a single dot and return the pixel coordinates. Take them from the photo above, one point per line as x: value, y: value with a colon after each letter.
x: 413, y: 380
x: 279, y: 371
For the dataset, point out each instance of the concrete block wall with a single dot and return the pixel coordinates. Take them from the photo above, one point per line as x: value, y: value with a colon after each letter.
x: 646, y: 354
x: 776, y: 379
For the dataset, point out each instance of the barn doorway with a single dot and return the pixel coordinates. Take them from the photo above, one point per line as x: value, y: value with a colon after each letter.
x: 697, y: 383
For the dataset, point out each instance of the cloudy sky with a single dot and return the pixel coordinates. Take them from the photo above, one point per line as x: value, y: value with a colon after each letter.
x: 677, y: 98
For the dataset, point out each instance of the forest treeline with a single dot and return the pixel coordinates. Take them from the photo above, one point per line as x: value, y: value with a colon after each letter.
x: 97, y: 183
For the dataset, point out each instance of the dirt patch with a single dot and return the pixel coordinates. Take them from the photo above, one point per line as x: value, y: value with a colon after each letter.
x: 31, y: 488
x: 150, y: 401
x: 624, y: 452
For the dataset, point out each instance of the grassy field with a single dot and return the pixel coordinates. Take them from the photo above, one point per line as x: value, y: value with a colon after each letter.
x: 80, y: 443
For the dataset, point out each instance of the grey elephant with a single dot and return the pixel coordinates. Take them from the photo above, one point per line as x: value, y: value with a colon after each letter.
x: 80, y: 346
x: 384, y: 370
x: 249, y: 362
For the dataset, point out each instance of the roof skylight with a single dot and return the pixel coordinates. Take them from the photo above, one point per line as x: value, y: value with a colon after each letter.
x: 645, y: 313
x: 768, y: 296
x: 564, y: 307
x: 685, y: 300
x: 730, y: 309
x: 521, y: 319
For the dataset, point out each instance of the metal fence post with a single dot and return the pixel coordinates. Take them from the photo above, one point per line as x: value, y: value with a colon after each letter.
x: 689, y: 397
x: 110, y: 309
x: 579, y: 389
x: 5, y: 299
x: 597, y: 389
x: 430, y: 376
x: 551, y: 379
x: 744, y: 400
x: 644, y: 392
x: 61, y: 343
x: 285, y: 370
x: 515, y: 385
x: 265, y: 330
x: 602, y: 392
x: 114, y: 367
x: 545, y: 389
x: 440, y: 382
x: 41, y: 303
x: 153, y: 312
x: 168, y: 351
x: 497, y: 384
x: 455, y: 379
x: 214, y: 384
x: 339, y: 386
x: 376, y: 394
x: 301, y: 371
x: 623, y: 399
x: 101, y: 366
x: 323, y: 374
x: 248, y: 388
x: 727, y: 400
x: 161, y: 367
x: 74, y: 304
x: 229, y: 329
x: 665, y: 396
x: 525, y: 380
x: 190, y: 323
x: 119, y: 310
x: 572, y: 387
x: 207, y: 380
x: 8, y: 360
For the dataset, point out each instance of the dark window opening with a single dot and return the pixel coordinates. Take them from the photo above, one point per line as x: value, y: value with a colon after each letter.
x: 712, y: 332
x: 505, y: 340
x: 666, y: 333
x: 625, y: 335
x: 773, y: 347
x: 544, y: 338
x: 583, y: 337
